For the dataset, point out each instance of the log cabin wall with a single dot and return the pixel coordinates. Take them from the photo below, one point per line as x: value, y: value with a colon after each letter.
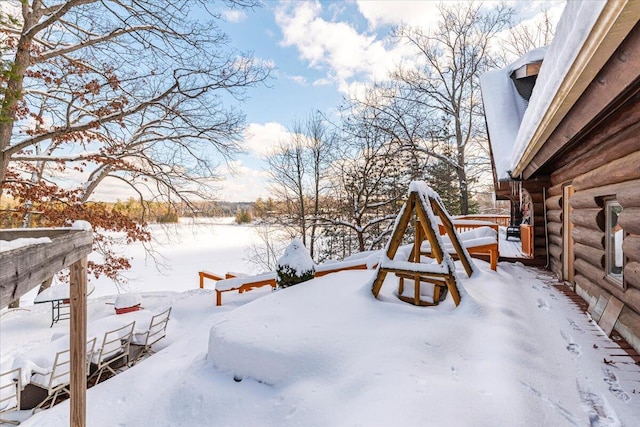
x: 602, y: 165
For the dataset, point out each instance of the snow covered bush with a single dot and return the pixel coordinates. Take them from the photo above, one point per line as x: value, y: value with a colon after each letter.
x: 295, y: 266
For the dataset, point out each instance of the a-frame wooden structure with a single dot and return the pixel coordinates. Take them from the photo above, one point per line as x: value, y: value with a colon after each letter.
x: 423, y: 204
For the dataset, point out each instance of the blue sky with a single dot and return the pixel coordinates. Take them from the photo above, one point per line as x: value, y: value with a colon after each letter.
x: 320, y: 52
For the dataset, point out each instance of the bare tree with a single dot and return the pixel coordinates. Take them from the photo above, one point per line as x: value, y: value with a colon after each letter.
x: 94, y: 64
x: 370, y: 178
x: 523, y: 37
x: 298, y: 171
x: 135, y: 91
x: 453, y: 56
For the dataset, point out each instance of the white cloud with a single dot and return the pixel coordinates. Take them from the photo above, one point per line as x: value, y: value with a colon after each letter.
x: 322, y: 82
x: 301, y: 80
x: 263, y: 138
x: 241, y: 183
x: 233, y: 15
x: 378, y: 13
x: 336, y: 47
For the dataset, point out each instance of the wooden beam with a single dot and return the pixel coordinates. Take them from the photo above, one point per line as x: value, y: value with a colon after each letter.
x: 394, y: 243
x: 78, y: 326
x: 527, y: 70
x: 24, y: 268
x: 440, y: 211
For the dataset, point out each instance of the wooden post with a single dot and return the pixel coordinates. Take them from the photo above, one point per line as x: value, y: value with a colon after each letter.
x: 78, y: 326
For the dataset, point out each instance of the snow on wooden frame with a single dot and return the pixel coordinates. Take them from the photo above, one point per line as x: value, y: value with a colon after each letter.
x: 427, y: 206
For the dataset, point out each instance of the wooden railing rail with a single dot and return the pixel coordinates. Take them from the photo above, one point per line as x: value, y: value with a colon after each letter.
x: 468, y: 225
x: 501, y: 220
x: 248, y: 284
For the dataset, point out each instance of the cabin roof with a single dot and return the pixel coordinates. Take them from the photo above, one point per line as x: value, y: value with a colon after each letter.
x: 587, y: 35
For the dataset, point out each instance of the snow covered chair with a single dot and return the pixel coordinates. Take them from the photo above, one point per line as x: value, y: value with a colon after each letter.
x: 56, y: 382
x: 478, y: 241
x: 10, y: 389
x: 113, y: 353
x: 141, y: 343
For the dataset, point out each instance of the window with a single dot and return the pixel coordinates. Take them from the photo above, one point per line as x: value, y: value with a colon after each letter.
x: 614, y: 237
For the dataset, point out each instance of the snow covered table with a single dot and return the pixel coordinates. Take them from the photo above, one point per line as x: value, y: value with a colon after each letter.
x: 59, y: 297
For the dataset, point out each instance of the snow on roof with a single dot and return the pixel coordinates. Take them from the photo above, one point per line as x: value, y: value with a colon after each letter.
x: 504, y: 109
x: 512, y: 121
x: 576, y: 22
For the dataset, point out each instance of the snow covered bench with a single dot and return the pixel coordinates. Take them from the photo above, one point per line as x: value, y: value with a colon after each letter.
x: 478, y: 241
x: 231, y: 281
x: 241, y: 284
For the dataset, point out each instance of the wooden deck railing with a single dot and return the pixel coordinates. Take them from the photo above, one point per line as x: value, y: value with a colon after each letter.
x: 244, y: 284
x: 501, y: 220
x: 462, y: 225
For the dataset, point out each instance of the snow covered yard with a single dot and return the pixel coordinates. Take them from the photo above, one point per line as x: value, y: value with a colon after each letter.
x: 326, y: 353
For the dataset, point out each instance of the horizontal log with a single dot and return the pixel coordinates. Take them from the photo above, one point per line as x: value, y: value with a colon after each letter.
x: 554, y: 215
x: 555, y: 239
x: 539, y: 242
x: 590, y: 288
x: 24, y: 268
x: 540, y: 252
x: 628, y: 326
x: 555, y: 190
x: 587, y: 253
x: 592, y: 198
x: 554, y: 202
x: 629, y: 196
x: 620, y: 170
x: 538, y: 209
x: 556, y: 267
x: 536, y: 197
x: 593, y: 238
x: 592, y: 219
x: 595, y: 152
x: 555, y: 228
x: 630, y: 297
x: 629, y: 220
x: 536, y: 184
x: 555, y: 251
x: 631, y: 247
x: 632, y: 274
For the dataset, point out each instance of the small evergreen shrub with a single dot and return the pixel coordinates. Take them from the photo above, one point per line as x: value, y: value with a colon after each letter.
x: 295, y: 266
